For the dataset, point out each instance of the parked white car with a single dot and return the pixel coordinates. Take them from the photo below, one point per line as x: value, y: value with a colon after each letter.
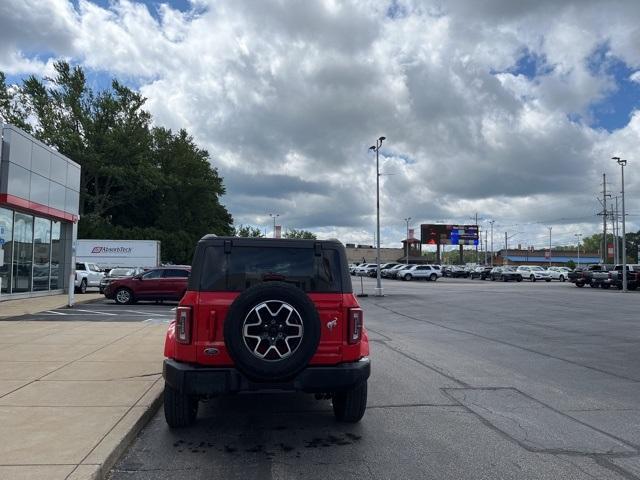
x: 365, y: 269
x: 559, y: 273
x: 426, y: 272
x: 87, y: 275
x: 533, y: 273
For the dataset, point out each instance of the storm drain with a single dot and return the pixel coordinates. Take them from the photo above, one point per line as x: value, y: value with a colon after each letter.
x: 533, y: 425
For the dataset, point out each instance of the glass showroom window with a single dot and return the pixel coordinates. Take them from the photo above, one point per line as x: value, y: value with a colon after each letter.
x: 41, y: 253
x: 56, y: 256
x: 6, y: 247
x: 23, y: 252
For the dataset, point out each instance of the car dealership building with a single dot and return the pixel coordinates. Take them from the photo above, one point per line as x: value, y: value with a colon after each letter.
x: 39, y: 201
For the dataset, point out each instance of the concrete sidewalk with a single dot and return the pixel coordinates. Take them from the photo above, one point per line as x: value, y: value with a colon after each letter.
x: 74, y: 394
x: 25, y: 306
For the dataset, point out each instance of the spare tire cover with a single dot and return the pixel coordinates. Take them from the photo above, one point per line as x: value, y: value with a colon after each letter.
x: 271, y: 331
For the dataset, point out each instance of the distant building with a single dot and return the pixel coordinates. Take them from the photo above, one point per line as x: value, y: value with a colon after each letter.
x: 541, y: 257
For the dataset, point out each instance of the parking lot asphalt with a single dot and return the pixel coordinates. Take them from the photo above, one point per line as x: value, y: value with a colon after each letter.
x: 104, y: 310
x: 470, y: 380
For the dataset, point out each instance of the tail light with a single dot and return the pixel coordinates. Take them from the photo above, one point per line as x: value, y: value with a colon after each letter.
x: 355, y: 325
x: 183, y: 324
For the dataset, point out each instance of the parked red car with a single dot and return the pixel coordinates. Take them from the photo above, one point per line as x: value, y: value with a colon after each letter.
x: 166, y: 283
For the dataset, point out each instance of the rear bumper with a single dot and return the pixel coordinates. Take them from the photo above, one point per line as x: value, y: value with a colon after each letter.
x: 196, y: 380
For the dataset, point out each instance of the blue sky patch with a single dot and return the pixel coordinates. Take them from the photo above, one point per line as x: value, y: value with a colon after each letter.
x: 396, y: 10
x: 531, y: 65
x: 614, y: 111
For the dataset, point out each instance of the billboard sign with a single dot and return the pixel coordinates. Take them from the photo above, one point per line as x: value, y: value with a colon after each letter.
x: 440, y: 234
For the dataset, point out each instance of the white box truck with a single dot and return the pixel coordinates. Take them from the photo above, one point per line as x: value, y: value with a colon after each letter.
x: 119, y: 253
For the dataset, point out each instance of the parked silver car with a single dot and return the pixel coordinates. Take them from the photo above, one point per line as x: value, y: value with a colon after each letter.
x: 425, y: 272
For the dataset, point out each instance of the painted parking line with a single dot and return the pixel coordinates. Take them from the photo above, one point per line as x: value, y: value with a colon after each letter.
x: 53, y: 312
x: 157, y: 320
x: 94, y: 312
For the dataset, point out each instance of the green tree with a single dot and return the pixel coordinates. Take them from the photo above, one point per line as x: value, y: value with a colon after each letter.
x: 12, y: 108
x: 138, y: 181
x: 571, y: 264
x: 304, y: 234
x: 247, y: 231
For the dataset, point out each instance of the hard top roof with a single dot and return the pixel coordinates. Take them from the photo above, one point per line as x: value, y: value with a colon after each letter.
x: 269, y: 242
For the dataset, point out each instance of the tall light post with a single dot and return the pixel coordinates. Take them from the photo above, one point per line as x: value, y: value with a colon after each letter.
x: 622, y: 164
x: 578, y: 235
x: 492, y: 222
x: 378, y: 290
x: 408, y: 219
x: 550, y: 228
x: 274, y: 216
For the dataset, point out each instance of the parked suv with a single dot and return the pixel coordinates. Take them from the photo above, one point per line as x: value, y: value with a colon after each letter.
x: 267, y: 314
x: 533, y: 273
x: 426, y: 272
x: 87, y: 275
x: 166, y: 283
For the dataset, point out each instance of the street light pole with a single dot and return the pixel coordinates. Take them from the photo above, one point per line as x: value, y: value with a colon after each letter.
x: 274, y: 216
x: 622, y: 164
x: 550, y: 245
x: 492, y: 222
x: 578, y: 235
x: 378, y: 290
x: 407, y: 220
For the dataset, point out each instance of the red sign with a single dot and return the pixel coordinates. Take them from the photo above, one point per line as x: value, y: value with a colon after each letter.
x: 610, y: 250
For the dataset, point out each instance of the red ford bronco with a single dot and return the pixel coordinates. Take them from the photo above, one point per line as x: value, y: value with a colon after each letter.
x: 267, y: 314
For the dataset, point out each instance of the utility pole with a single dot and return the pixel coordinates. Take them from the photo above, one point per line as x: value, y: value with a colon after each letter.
x: 505, y: 261
x: 622, y: 164
x: 550, y: 228
x: 578, y: 235
x: 408, y: 219
x: 486, y: 245
x: 274, y: 216
x: 617, y: 234
x: 613, y: 233
x: 492, y: 222
x: 605, y: 250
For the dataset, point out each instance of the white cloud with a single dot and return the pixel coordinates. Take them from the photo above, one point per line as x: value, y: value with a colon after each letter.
x: 289, y: 95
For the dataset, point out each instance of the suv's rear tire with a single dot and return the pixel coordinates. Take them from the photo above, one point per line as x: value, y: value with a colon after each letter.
x: 180, y: 409
x: 350, y: 406
x: 433, y: 277
x: 245, y: 351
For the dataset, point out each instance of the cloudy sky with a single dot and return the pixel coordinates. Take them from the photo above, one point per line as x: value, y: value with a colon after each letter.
x: 511, y: 110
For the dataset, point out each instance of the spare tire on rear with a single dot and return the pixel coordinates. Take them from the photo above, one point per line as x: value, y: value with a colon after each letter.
x: 272, y: 331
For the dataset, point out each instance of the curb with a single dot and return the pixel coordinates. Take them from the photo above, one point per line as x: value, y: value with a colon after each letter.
x: 64, y: 305
x: 121, y: 446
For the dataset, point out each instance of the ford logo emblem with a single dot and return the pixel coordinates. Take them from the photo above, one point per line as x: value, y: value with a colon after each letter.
x: 211, y: 351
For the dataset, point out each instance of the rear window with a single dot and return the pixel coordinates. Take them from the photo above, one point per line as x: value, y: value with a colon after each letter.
x: 247, y: 266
